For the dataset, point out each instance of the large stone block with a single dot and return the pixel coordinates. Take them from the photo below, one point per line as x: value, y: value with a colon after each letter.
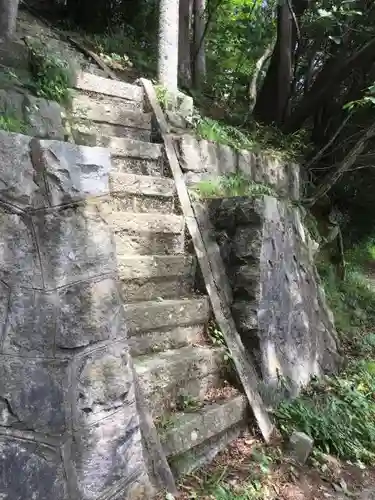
x: 17, y: 184
x: 44, y: 118
x: 108, y: 457
x: 88, y: 313
x: 30, y: 470
x: 19, y: 256
x: 75, y: 244
x: 31, y: 326
x: 71, y: 172
x: 104, y: 384
x: 36, y: 393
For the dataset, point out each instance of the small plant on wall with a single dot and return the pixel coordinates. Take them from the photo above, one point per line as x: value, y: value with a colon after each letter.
x: 52, y: 77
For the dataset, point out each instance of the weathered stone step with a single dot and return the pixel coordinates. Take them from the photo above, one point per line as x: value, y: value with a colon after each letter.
x: 149, y: 316
x: 187, y: 462
x: 145, y: 185
x: 141, y: 267
x: 164, y: 375
x: 147, y: 223
x: 162, y: 340
x: 175, y: 287
x: 115, y: 88
x: 188, y: 430
x: 109, y: 110
x: 85, y: 131
x: 129, y: 155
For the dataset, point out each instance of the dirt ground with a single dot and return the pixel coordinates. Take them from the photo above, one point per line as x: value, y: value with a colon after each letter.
x: 277, y: 477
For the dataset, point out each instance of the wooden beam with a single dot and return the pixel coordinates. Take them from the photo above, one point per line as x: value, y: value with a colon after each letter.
x: 221, y: 308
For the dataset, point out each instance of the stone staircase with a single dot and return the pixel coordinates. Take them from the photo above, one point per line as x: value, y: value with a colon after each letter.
x: 166, y: 319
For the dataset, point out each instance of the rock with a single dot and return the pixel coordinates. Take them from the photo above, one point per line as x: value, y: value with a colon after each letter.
x: 44, y: 118
x: 301, y: 446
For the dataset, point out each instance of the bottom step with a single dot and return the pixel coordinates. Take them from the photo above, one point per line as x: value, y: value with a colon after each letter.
x: 190, y: 429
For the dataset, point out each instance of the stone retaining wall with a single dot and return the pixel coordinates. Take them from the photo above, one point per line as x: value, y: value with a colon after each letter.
x: 69, y: 424
x: 277, y: 299
x: 201, y: 159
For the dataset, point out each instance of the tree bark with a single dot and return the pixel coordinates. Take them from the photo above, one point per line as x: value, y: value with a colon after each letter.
x: 199, y: 43
x: 8, y: 18
x: 254, y: 80
x: 272, y: 102
x: 168, y: 44
x: 184, y: 45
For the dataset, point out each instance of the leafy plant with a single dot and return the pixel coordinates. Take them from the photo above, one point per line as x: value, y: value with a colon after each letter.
x: 338, y: 412
x: 231, y: 185
x: 187, y: 402
x: 10, y: 123
x: 52, y: 77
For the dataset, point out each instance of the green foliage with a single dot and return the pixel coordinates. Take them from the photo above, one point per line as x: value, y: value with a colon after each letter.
x: 52, y: 77
x: 352, y: 300
x: 230, y: 186
x: 187, y: 402
x: 258, y: 138
x: 10, y: 123
x: 338, y: 412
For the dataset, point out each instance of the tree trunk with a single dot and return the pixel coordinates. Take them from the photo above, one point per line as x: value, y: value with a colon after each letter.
x: 272, y: 102
x: 168, y: 44
x: 8, y: 18
x: 184, y: 55
x: 199, y: 45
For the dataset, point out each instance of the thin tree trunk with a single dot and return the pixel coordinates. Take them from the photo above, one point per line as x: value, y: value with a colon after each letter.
x: 168, y: 44
x: 184, y: 45
x: 331, y: 179
x: 8, y: 18
x: 254, y: 80
x: 199, y: 43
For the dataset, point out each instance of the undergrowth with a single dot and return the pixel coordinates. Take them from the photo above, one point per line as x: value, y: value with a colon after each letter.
x: 230, y: 186
x: 10, y: 123
x: 52, y: 77
x: 338, y: 411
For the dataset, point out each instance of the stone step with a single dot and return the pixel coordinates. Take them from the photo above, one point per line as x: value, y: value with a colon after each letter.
x: 191, y: 370
x: 146, y: 233
x: 162, y: 340
x: 85, y: 131
x: 144, y: 267
x: 129, y: 155
x: 153, y: 315
x: 145, y: 185
x: 115, y: 88
x: 136, y: 223
x: 175, y: 287
x: 188, y: 430
x: 197, y: 457
x: 109, y: 110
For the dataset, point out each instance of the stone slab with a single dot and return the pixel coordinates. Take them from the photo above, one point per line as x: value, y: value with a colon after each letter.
x: 30, y: 470
x: 75, y: 244
x: 107, y: 456
x: 104, y: 384
x: 150, y: 315
x: 71, y: 172
x: 145, y: 223
x: 85, y: 107
x: 19, y: 253
x: 17, y: 185
x: 154, y: 266
x: 145, y: 185
x: 36, y: 392
x: 93, y: 83
x: 192, y: 429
